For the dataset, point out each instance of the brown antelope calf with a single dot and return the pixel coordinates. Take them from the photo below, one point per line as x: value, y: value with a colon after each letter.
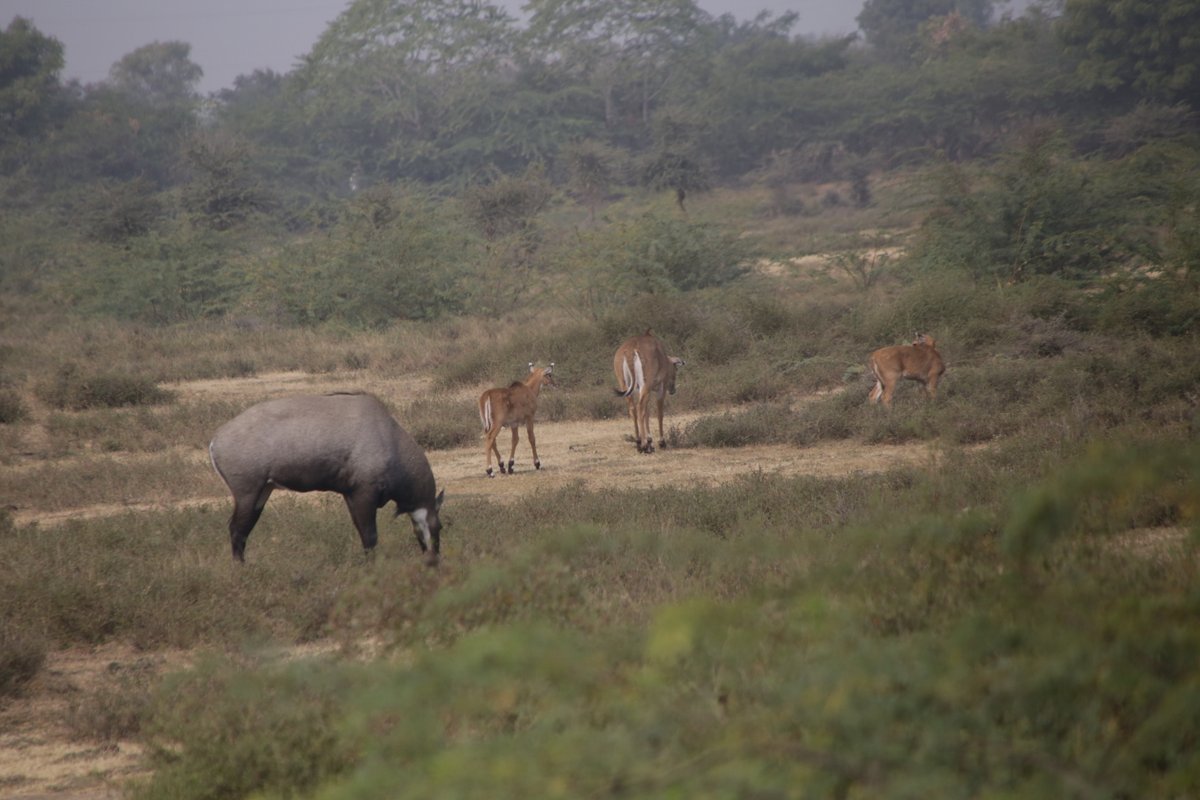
x: 919, y: 361
x: 644, y: 369
x: 509, y: 408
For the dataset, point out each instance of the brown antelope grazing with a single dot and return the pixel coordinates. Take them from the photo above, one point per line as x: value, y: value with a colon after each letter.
x: 509, y: 408
x: 919, y: 361
x: 644, y: 369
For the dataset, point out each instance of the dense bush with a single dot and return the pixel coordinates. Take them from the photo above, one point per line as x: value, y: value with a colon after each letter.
x: 392, y: 255
x: 955, y: 648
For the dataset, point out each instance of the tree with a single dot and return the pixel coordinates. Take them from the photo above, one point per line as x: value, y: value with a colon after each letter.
x: 1137, y: 49
x: 591, y: 168
x: 411, y: 88
x: 892, y: 26
x: 680, y: 172
x: 29, y: 66
x: 160, y: 75
x: 626, y: 49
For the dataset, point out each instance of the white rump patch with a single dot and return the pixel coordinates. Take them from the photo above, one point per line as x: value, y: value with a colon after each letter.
x: 639, y: 371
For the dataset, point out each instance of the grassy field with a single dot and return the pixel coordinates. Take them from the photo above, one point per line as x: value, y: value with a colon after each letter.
x: 1010, y: 615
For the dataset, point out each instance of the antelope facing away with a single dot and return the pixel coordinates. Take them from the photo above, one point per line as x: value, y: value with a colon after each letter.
x: 644, y: 370
x: 509, y: 408
x: 919, y: 361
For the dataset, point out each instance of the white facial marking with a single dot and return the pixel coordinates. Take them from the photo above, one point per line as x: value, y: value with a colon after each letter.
x: 420, y: 517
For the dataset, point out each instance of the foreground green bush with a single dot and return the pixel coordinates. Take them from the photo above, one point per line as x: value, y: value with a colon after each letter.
x: 958, y: 654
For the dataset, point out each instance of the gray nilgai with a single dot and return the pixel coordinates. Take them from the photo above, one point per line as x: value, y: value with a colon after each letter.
x: 344, y: 443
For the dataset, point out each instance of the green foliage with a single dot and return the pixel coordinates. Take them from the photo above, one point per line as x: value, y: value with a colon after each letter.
x: 73, y: 388
x: 1040, y: 214
x: 391, y: 256
x: 121, y: 211
x: 651, y: 254
x: 173, y: 276
x: 223, y: 191
x: 1142, y: 48
x: 891, y: 661
x: 247, y: 731
x: 679, y: 172
x: 1113, y: 489
x: 508, y: 205
x: 592, y: 168
x: 892, y: 26
x: 160, y: 75
x: 29, y: 65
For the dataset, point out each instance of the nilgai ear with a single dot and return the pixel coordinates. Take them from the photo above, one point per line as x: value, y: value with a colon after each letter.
x: 440, y: 499
x: 679, y: 362
x: 550, y: 368
x: 531, y: 366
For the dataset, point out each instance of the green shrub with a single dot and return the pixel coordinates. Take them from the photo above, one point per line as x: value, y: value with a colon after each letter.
x: 227, y: 729
x: 1039, y: 212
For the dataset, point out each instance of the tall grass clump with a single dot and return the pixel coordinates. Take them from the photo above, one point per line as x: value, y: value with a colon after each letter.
x: 248, y: 729
x: 22, y: 654
x: 12, y: 408
x: 72, y: 388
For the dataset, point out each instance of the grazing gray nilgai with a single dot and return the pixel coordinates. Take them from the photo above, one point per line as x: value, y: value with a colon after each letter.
x: 344, y: 443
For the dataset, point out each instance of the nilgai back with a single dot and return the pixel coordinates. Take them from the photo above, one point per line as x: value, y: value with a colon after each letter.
x: 344, y: 443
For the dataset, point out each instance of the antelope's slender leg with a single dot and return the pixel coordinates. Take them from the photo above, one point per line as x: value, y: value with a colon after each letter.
x: 632, y: 402
x: 662, y: 439
x: 537, y: 464
x: 512, y: 454
x: 644, y: 421
x: 490, y: 447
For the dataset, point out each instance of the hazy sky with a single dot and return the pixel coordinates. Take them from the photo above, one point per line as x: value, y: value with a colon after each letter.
x: 235, y: 37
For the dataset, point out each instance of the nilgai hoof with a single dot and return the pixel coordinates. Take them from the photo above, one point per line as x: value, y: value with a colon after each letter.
x: 537, y: 465
x: 492, y: 474
x: 510, y: 466
x: 502, y: 470
x: 662, y: 444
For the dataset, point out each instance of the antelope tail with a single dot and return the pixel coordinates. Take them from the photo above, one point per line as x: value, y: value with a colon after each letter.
x: 485, y: 414
x: 627, y: 375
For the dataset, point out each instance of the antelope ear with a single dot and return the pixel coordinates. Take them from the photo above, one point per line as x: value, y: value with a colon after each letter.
x: 531, y: 366
x: 679, y: 362
x: 437, y: 504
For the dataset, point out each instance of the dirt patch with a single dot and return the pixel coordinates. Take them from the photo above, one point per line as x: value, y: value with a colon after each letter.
x: 39, y: 756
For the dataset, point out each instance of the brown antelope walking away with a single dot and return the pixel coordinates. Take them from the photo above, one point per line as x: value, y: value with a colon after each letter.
x: 919, y: 361
x: 509, y: 408
x: 644, y: 370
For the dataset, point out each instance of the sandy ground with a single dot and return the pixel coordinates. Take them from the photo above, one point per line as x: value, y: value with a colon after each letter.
x: 39, y: 759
